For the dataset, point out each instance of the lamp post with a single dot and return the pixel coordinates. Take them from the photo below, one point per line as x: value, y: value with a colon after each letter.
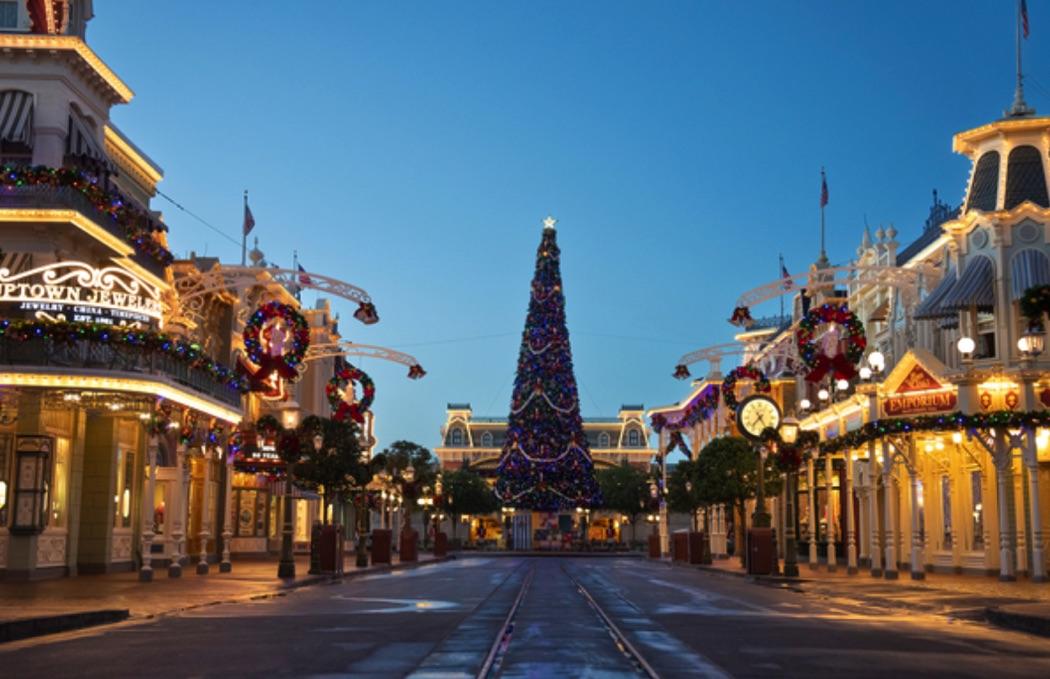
x: 789, y: 429
x: 508, y: 517
x: 286, y: 567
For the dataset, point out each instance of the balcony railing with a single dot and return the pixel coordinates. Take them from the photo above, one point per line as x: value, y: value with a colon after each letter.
x: 85, y: 355
x: 44, y: 197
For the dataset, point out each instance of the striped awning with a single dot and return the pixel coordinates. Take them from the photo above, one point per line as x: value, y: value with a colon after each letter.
x: 16, y: 117
x: 81, y: 140
x: 931, y: 306
x: 1028, y: 268
x: 975, y: 287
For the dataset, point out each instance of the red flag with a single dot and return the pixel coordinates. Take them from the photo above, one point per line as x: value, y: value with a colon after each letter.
x: 304, y: 278
x: 823, y: 189
x: 1024, y: 18
x: 249, y: 220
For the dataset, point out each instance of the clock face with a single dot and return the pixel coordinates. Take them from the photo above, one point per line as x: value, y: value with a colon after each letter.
x: 755, y: 414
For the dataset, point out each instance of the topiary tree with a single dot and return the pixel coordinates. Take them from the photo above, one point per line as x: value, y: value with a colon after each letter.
x: 466, y: 492
x: 334, y: 468
x: 684, y: 490
x: 625, y: 489
x: 396, y: 458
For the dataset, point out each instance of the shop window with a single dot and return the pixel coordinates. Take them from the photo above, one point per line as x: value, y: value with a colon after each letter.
x: 633, y: 438
x: 251, y: 512
x: 985, y: 335
x: 946, y: 513
x: 122, y: 494
x: 603, y: 440
x: 60, y: 485
x: 977, y: 510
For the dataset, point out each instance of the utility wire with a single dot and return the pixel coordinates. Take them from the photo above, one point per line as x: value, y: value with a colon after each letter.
x: 199, y: 218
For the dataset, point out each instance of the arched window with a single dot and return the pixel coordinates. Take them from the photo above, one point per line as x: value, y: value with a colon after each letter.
x: 455, y: 437
x: 985, y: 187
x: 16, y: 126
x: 486, y: 440
x: 1024, y: 178
x: 633, y: 438
x: 603, y: 440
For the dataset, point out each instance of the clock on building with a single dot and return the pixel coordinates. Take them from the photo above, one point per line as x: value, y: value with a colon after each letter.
x: 756, y: 413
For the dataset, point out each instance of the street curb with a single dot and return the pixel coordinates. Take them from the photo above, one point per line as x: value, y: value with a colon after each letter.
x: 25, y: 628
x: 1024, y: 623
x: 762, y: 579
x: 504, y: 553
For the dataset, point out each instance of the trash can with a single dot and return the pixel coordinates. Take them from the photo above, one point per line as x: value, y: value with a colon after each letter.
x: 696, y: 547
x: 760, y: 551
x: 654, y: 546
x: 680, y: 546
x: 408, y: 541
x: 381, y: 546
x: 440, y: 545
x: 330, y: 549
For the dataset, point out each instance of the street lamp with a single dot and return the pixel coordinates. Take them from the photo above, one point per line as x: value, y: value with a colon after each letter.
x: 1031, y: 343
x: 877, y: 362
x: 966, y: 347
x: 823, y: 395
x: 789, y: 430
x: 805, y: 405
x: 286, y: 567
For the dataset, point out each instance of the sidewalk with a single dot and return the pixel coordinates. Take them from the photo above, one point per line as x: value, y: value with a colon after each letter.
x: 1022, y: 605
x: 45, y: 606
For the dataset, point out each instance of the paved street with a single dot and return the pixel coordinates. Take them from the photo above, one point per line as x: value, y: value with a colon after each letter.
x: 443, y: 620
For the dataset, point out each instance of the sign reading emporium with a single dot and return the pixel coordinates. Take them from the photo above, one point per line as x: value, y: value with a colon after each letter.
x: 920, y: 392
x: 75, y: 291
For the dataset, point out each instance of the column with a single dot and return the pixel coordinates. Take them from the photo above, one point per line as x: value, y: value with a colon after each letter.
x: 225, y: 566
x: 873, y: 513
x: 890, y: 570
x: 202, y: 564
x: 1037, y: 571
x: 146, y: 573
x: 178, y: 513
x: 1005, y: 478
x: 917, y: 571
x: 812, y: 523
x: 851, y: 537
x: 829, y: 508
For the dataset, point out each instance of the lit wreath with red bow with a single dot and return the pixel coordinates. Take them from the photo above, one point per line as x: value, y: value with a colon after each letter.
x: 292, y: 343
x: 341, y: 386
x: 744, y: 372
x: 841, y: 366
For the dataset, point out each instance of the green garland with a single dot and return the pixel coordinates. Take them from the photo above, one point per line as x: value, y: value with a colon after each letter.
x: 878, y: 429
x: 147, y: 342
x: 138, y: 225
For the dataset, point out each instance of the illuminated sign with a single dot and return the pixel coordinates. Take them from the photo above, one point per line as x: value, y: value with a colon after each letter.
x: 79, y: 292
x: 912, y: 404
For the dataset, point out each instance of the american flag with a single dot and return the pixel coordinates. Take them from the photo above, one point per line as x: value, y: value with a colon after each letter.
x: 786, y: 276
x: 304, y: 278
x: 249, y: 220
x: 1024, y: 18
x: 823, y: 189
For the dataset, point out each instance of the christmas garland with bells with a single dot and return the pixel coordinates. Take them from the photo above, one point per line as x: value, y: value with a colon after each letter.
x: 66, y: 332
x: 343, y: 382
x: 841, y: 366
x: 744, y: 372
x: 1035, y: 303
x: 138, y: 225
x: 287, y: 363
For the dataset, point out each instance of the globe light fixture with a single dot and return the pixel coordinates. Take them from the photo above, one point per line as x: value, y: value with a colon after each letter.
x: 841, y: 385
x: 805, y: 404
x: 877, y: 362
x: 966, y: 347
x: 865, y: 373
x: 1031, y: 343
x: 823, y: 395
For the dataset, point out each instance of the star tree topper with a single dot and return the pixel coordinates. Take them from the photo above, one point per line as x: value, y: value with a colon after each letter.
x: 549, y: 222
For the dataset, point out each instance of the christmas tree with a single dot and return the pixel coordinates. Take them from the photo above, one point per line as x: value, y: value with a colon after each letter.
x: 546, y: 461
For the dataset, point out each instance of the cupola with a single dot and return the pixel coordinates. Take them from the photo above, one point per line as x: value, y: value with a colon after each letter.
x: 1009, y: 163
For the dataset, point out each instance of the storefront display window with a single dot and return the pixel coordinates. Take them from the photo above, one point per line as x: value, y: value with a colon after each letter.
x: 122, y: 495
x: 60, y: 484
x: 977, y: 510
x: 5, y: 475
x: 250, y: 504
x: 946, y: 513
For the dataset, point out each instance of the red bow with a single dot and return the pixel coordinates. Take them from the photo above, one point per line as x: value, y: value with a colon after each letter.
x: 840, y: 367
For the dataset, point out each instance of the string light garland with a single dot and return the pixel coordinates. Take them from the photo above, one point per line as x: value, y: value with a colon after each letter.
x: 146, y: 342
x: 841, y: 366
x: 138, y: 225
x: 701, y: 410
x: 341, y: 386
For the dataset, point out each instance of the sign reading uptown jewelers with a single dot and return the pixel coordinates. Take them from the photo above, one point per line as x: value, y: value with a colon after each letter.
x: 79, y: 292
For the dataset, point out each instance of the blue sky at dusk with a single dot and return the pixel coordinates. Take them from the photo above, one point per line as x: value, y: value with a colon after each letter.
x: 414, y: 148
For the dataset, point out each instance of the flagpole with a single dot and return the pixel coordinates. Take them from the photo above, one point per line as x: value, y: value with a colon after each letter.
x: 244, y: 232
x: 823, y: 183
x: 781, y: 272
x: 295, y: 268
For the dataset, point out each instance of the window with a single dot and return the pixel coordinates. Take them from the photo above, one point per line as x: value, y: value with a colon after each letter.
x: 8, y: 14
x: 456, y: 436
x: 5, y: 475
x: 486, y: 440
x: 122, y: 494
x: 633, y: 438
x: 985, y: 185
x: 977, y: 510
x: 985, y: 335
x: 603, y: 440
x: 251, y: 512
x: 946, y: 513
x: 60, y: 485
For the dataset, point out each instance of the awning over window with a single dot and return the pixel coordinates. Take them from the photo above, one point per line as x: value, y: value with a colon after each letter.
x: 16, y: 117
x: 931, y: 306
x: 1028, y: 268
x: 975, y: 287
x: 881, y: 312
x: 81, y: 140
